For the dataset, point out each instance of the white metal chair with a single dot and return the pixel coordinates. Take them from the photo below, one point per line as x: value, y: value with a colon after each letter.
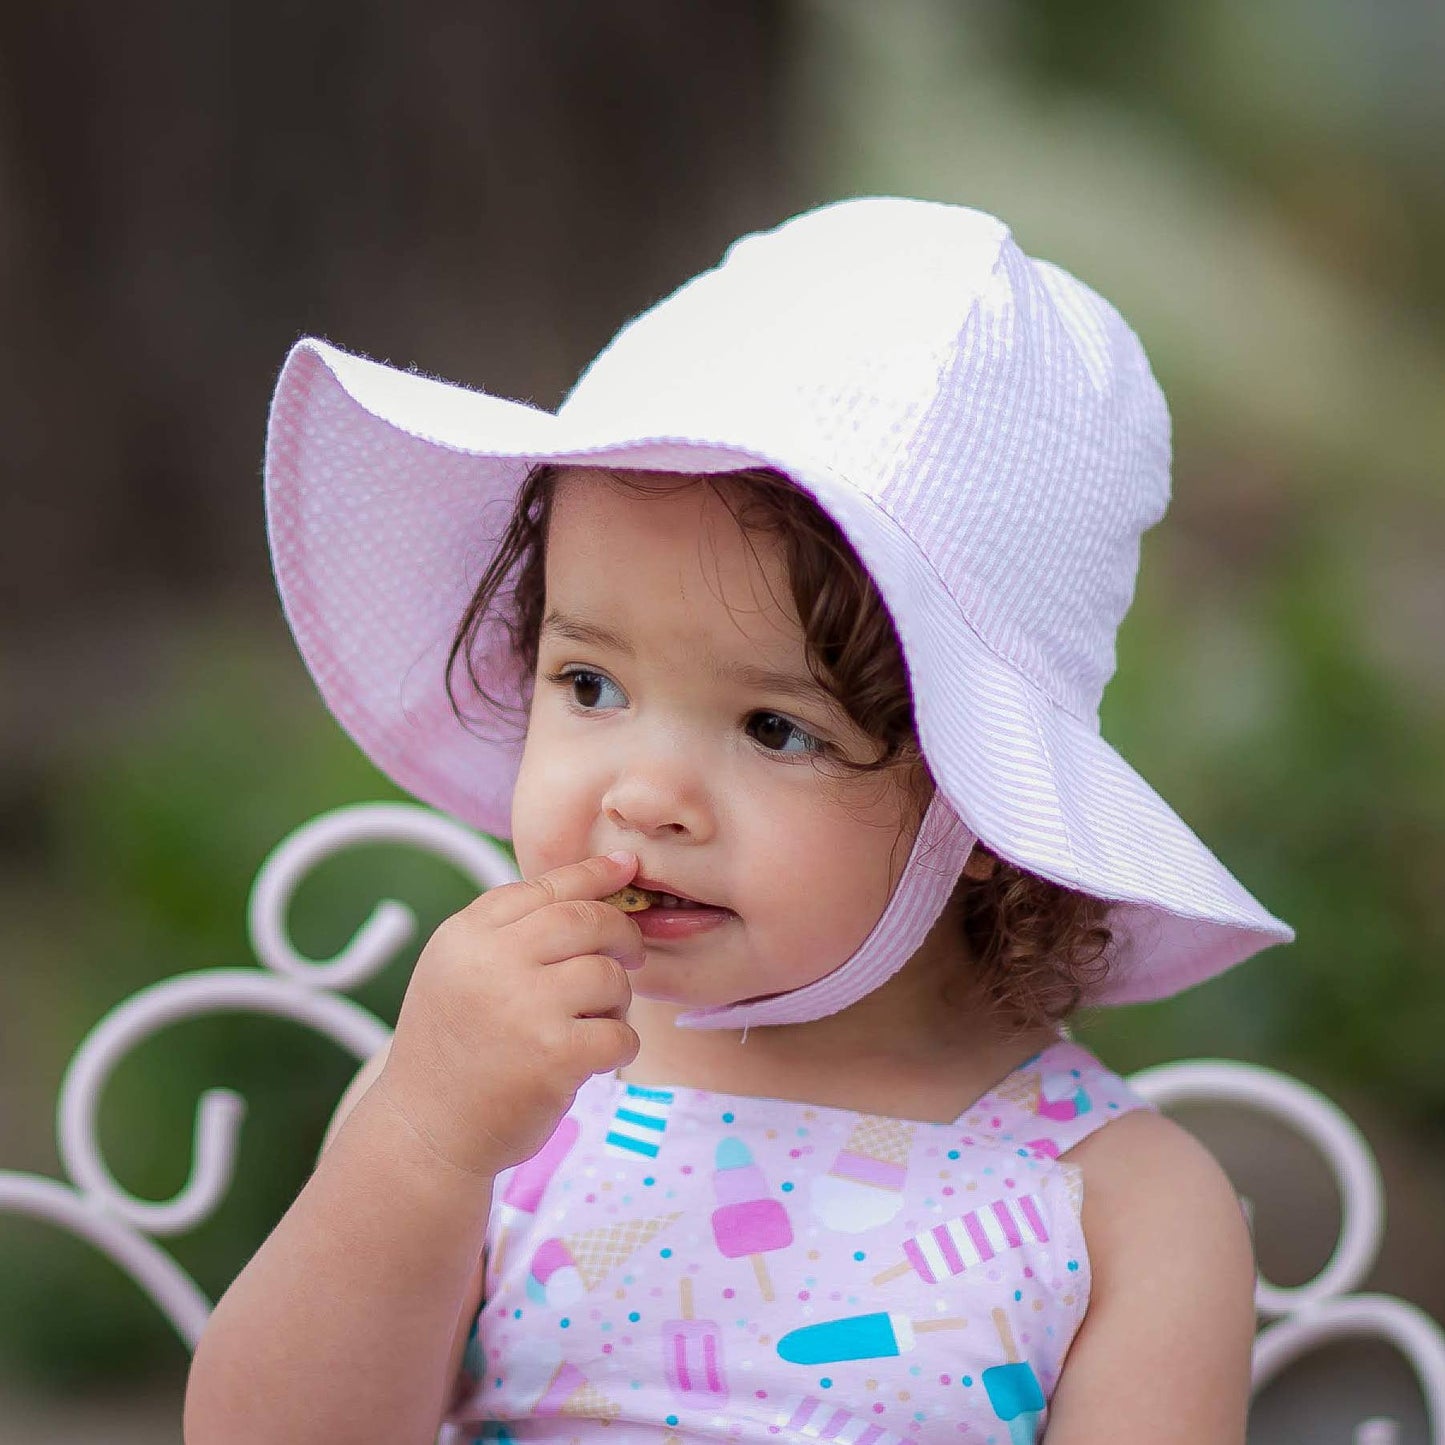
x: 93, y: 1206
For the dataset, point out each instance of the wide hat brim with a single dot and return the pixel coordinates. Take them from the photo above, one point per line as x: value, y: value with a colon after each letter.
x: 386, y: 493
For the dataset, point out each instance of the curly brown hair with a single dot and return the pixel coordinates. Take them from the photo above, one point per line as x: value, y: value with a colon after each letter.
x: 1037, y: 949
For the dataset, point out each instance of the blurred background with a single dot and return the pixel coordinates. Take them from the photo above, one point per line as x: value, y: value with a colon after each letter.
x: 487, y: 190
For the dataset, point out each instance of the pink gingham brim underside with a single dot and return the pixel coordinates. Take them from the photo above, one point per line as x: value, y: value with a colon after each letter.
x: 385, y: 492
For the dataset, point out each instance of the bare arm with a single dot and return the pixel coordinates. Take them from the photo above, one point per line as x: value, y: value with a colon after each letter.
x: 1162, y: 1357
x: 349, y: 1322
x: 366, y: 1075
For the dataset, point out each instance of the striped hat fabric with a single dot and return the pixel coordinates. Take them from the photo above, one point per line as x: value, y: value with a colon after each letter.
x: 983, y: 427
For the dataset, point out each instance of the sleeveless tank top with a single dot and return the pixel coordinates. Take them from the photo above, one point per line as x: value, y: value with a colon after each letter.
x: 680, y: 1265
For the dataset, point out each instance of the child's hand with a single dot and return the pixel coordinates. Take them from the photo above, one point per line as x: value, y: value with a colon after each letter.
x: 514, y: 1001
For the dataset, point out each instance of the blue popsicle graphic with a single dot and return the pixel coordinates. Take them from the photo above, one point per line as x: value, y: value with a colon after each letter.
x: 857, y: 1337
x: 1013, y: 1389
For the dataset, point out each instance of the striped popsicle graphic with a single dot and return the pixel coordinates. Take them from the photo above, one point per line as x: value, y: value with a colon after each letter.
x: 970, y: 1239
x: 639, y: 1120
x: 814, y: 1420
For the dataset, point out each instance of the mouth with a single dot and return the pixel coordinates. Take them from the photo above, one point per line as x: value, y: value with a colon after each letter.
x: 664, y: 899
x: 665, y: 916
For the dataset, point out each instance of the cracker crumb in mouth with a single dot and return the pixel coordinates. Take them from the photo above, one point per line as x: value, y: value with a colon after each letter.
x: 631, y: 900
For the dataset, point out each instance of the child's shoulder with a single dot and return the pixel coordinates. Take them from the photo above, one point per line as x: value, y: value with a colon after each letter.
x: 1171, y: 1307
x: 1157, y: 1205
x: 1145, y: 1164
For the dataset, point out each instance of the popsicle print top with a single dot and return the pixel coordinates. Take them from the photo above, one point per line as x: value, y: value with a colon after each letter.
x: 678, y: 1265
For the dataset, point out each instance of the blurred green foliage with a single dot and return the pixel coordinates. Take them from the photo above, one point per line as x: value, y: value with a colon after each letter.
x: 1326, y: 800
x: 157, y: 830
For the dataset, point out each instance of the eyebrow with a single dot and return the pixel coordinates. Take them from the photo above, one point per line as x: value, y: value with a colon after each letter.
x: 787, y: 684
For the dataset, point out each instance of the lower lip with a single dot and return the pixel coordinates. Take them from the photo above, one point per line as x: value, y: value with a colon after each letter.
x: 661, y: 924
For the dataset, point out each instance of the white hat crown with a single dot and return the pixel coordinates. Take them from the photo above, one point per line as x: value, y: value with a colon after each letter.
x: 1002, y: 413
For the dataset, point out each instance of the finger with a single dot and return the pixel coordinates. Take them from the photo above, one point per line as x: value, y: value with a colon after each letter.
x: 603, y: 1045
x: 561, y: 931
x: 591, y: 878
x: 591, y: 986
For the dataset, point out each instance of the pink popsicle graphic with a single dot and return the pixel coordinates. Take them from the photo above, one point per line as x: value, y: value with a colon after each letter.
x: 968, y: 1240
x: 528, y: 1183
x: 530, y: 1179
x: 748, y: 1220
x: 692, y: 1355
x: 811, y: 1419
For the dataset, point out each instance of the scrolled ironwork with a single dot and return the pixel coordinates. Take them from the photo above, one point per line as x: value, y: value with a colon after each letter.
x: 95, y: 1207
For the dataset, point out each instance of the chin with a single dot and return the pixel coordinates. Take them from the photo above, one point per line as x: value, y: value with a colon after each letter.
x: 679, y: 998
x: 694, y: 998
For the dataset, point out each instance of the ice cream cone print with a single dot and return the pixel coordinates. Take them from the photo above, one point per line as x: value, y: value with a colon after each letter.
x: 1073, y: 1178
x: 599, y: 1251
x: 569, y: 1392
x: 1022, y: 1089
x: 592, y: 1404
x: 864, y: 1187
x: 564, y: 1269
x: 1063, y: 1096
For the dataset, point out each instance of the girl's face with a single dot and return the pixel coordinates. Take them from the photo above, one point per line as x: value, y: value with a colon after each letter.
x: 674, y: 716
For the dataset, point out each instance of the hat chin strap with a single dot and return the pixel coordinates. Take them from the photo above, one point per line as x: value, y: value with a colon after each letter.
x: 934, y: 867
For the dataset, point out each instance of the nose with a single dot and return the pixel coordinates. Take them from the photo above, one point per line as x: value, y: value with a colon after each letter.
x: 661, y: 797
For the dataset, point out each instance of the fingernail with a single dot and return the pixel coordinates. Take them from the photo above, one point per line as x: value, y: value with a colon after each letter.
x: 622, y: 857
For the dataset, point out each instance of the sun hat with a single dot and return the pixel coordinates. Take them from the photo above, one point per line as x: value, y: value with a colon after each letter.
x: 983, y: 427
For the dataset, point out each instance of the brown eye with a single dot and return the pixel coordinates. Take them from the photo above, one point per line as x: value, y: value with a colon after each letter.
x: 586, y: 688
x: 589, y: 689
x: 775, y: 732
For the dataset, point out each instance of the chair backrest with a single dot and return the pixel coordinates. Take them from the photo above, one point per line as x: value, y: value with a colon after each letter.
x: 93, y: 1206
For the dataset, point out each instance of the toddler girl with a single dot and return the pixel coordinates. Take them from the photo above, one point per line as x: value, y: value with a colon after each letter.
x: 793, y: 623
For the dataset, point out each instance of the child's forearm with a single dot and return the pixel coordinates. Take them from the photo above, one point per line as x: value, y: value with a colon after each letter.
x: 341, y: 1326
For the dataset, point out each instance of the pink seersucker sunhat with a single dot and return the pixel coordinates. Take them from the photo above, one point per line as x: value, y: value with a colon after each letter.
x: 984, y: 428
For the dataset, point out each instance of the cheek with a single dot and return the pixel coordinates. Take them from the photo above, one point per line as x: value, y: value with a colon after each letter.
x: 839, y: 861
x: 881, y: 841
x: 543, y: 810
